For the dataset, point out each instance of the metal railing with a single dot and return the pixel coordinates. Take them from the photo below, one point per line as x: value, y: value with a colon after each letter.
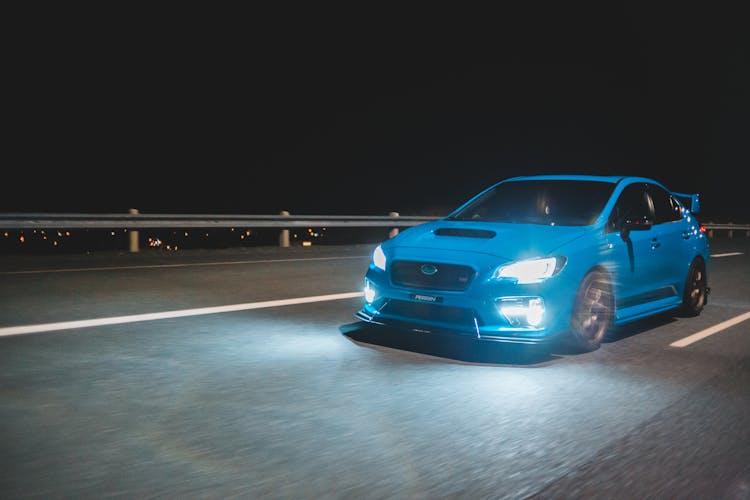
x: 284, y: 221
x: 134, y: 220
x: 150, y: 221
x: 728, y: 227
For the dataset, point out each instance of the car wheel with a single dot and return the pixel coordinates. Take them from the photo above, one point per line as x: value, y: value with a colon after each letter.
x: 593, y: 311
x: 696, y: 291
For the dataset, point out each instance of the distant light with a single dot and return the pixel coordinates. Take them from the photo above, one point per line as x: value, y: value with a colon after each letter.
x: 21, y: 239
x: 307, y: 243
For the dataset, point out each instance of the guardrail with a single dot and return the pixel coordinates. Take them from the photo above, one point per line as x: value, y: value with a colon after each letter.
x: 149, y: 221
x: 729, y: 228
x: 135, y: 220
x: 284, y: 221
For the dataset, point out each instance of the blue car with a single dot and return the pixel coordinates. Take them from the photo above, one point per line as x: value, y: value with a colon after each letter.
x: 535, y: 257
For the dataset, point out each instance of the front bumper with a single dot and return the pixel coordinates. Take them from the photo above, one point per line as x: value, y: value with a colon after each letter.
x: 365, y: 315
x: 455, y: 314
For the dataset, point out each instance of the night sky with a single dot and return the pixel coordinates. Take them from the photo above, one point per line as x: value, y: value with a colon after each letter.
x: 367, y: 109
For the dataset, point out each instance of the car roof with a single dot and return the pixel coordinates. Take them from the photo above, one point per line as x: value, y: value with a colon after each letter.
x: 582, y: 177
x: 570, y: 177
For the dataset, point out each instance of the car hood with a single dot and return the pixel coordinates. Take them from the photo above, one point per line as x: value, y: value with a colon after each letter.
x: 503, y: 240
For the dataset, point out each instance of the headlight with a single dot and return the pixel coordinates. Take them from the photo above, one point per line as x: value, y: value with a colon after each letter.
x: 531, y: 270
x: 378, y: 258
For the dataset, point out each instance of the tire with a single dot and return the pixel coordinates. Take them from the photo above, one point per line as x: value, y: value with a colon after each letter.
x: 593, y: 311
x: 695, y: 296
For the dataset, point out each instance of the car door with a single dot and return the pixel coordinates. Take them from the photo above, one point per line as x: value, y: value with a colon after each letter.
x: 670, y: 252
x: 631, y: 251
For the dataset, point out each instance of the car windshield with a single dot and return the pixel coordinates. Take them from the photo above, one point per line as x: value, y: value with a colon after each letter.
x: 548, y: 202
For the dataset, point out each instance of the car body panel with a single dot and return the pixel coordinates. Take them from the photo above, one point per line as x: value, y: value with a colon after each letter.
x: 438, y: 275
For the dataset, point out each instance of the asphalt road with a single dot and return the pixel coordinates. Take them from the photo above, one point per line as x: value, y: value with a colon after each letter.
x: 275, y: 398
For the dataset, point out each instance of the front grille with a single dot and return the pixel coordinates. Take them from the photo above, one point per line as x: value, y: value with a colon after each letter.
x: 449, y: 277
x: 429, y: 312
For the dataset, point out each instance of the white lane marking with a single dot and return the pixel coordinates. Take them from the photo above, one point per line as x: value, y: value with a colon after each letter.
x: 226, y: 263
x: 728, y: 254
x: 710, y: 331
x: 66, y: 325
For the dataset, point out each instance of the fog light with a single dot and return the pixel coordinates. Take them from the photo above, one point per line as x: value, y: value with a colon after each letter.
x: 522, y: 311
x: 369, y: 292
x: 535, y: 311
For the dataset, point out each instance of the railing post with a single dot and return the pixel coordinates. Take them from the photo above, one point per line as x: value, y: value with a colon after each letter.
x: 731, y: 232
x: 284, y: 234
x: 134, y: 235
x: 394, y: 231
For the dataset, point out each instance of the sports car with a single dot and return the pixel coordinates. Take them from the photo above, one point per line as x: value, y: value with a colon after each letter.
x: 533, y: 258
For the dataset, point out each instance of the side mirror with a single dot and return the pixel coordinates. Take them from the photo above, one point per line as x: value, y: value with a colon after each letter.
x: 639, y: 224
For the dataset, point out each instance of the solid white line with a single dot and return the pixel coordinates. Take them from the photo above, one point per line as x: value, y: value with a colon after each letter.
x: 66, y: 325
x: 710, y: 331
x: 152, y: 266
x: 728, y: 254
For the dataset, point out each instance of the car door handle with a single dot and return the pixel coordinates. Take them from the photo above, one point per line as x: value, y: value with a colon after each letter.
x: 686, y: 235
x: 655, y: 243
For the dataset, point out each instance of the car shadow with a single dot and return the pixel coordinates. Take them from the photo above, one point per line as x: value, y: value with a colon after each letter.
x: 456, y: 348
x: 633, y: 328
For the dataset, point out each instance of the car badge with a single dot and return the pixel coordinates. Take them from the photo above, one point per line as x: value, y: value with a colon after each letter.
x: 428, y: 269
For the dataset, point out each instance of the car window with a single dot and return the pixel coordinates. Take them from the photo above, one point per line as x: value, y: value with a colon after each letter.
x: 666, y: 208
x: 549, y: 202
x: 633, y: 204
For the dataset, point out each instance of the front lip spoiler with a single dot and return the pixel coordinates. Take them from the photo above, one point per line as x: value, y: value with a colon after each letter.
x: 426, y: 329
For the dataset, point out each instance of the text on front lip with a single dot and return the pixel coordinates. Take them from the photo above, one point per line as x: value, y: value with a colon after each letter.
x: 425, y: 298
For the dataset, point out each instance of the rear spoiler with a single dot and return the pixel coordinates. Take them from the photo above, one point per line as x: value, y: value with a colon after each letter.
x: 690, y: 201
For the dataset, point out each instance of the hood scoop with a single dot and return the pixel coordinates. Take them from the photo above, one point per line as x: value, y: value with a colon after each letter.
x: 465, y: 233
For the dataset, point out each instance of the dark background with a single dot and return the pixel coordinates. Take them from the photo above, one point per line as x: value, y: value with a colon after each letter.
x: 367, y: 109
